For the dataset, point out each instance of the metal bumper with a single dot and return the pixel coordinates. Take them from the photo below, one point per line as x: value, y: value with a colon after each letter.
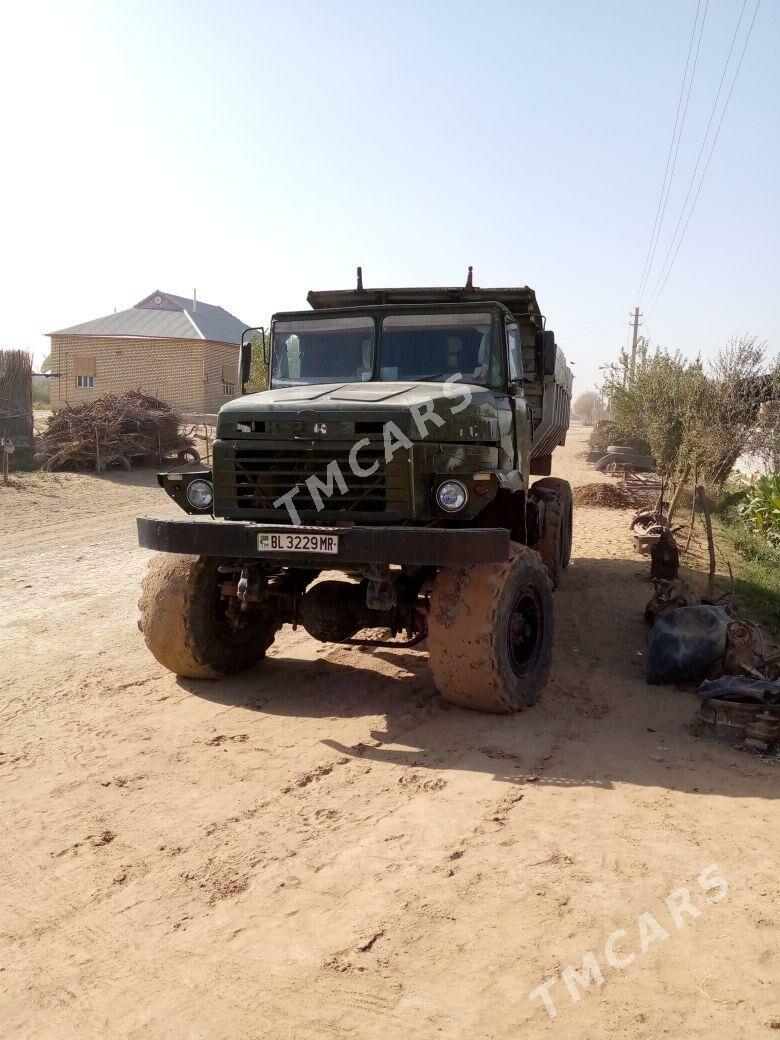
x: 422, y: 546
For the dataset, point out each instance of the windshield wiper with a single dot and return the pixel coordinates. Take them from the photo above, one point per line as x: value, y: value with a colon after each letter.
x: 429, y: 379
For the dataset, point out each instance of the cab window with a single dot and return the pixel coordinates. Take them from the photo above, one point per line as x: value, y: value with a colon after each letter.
x: 514, y: 353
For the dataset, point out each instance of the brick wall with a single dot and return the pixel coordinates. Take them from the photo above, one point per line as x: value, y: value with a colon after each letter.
x: 185, y: 373
x: 219, y: 359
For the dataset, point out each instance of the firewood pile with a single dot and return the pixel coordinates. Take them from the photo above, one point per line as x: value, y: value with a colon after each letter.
x: 116, y: 430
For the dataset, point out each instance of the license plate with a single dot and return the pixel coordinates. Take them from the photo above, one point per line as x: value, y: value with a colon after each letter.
x: 297, y: 543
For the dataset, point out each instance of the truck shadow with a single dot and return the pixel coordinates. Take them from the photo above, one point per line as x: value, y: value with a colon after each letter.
x: 143, y: 476
x: 597, y: 724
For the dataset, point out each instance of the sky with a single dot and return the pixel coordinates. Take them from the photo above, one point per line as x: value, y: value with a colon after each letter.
x: 257, y: 150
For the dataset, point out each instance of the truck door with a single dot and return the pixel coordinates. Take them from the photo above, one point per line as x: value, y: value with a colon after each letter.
x: 521, y: 428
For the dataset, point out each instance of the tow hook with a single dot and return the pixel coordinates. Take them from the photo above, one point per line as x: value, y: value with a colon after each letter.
x: 250, y: 586
x: 380, y: 592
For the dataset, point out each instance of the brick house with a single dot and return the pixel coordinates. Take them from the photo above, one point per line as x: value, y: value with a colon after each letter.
x: 181, y: 350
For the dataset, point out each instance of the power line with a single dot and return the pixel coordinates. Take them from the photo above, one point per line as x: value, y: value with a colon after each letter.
x: 656, y: 226
x: 709, y: 157
x: 679, y: 138
x: 701, y: 149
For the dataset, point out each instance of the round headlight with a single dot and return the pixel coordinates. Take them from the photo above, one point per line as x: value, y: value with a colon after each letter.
x: 451, y: 496
x: 200, y: 494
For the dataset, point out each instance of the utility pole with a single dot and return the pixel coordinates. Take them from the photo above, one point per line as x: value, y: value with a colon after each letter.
x: 635, y: 324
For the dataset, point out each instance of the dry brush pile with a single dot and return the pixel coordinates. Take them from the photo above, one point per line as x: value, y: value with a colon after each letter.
x: 116, y: 430
x: 15, y: 393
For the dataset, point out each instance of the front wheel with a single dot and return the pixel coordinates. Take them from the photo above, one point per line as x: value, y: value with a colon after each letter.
x: 490, y: 632
x: 191, y: 628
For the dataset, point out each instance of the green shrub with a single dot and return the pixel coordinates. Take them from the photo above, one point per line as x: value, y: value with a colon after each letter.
x: 756, y: 569
x: 760, y: 508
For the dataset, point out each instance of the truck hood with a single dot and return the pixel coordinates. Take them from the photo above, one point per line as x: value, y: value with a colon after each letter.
x: 375, y: 402
x: 343, y: 396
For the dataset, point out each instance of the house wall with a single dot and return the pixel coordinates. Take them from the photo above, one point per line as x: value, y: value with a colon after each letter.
x: 187, y: 374
x: 216, y: 358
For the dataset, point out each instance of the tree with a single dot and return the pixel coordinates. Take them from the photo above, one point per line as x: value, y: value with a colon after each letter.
x: 697, y: 417
x: 586, y: 407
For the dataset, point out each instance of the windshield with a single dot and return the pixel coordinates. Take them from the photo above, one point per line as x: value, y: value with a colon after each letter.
x: 414, y: 348
x: 432, y: 347
x: 322, y: 350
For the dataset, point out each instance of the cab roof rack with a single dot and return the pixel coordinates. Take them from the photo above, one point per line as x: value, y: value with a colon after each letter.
x: 520, y: 300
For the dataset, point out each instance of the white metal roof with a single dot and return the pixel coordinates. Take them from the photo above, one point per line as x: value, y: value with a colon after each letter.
x: 164, y: 316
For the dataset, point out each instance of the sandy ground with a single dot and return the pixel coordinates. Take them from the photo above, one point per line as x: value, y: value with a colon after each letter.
x: 322, y: 848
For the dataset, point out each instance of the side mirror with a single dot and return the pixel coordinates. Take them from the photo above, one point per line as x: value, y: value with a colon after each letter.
x: 244, y: 364
x: 545, y: 351
x: 245, y: 355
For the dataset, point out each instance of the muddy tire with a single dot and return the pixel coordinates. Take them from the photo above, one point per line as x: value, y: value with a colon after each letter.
x: 490, y: 631
x: 551, y: 542
x: 562, y: 489
x: 569, y: 514
x: 188, y: 626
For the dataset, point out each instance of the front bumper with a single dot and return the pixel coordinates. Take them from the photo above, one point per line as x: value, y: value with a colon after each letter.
x: 417, y: 546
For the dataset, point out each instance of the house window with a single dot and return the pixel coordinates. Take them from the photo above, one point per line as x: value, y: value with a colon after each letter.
x: 229, y: 389
x: 84, y: 370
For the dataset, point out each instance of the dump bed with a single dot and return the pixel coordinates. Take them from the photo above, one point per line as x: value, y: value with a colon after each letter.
x: 548, y: 396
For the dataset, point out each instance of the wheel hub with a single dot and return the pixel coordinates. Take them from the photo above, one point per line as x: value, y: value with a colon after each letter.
x: 525, y: 631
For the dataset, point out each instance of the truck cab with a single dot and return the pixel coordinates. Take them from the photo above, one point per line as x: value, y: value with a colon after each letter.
x: 402, y: 398
x: 397, y: 439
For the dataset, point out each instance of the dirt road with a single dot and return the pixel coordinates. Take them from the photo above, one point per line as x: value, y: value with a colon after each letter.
x: 322, y: 848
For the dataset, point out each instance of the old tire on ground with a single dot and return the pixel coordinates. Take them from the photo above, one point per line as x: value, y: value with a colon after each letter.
x: 490, y: 630
x: 635, y: 461
x: 188, y: 626
x: 562, y: 489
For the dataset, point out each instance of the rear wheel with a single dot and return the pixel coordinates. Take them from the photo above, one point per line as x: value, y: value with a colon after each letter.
x: 555, y: 542
x: 190, y: 628
x: 490, y: 630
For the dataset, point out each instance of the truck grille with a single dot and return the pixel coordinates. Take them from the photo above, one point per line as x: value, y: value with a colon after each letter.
x: 263, y: 474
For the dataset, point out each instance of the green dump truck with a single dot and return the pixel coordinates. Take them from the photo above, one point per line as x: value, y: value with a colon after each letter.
x: 396, y: 447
